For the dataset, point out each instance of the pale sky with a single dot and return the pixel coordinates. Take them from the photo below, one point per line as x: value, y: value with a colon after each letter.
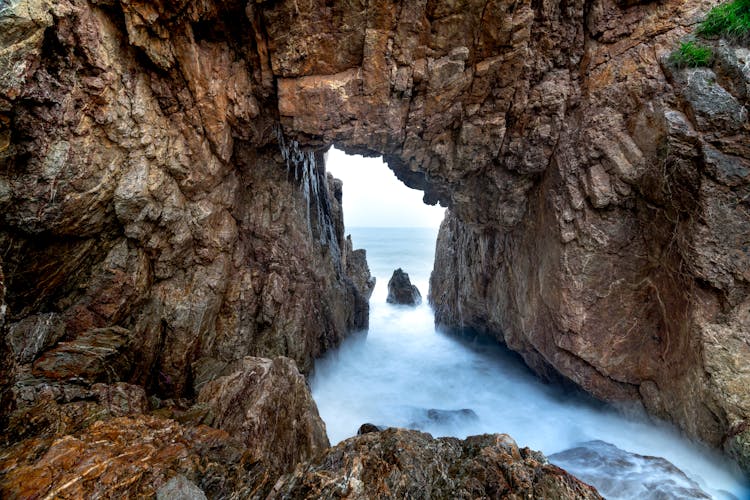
x: 374, y: 197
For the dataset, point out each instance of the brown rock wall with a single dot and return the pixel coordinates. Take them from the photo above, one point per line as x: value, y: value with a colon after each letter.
x: 161, y: 174
x: 138, y: 190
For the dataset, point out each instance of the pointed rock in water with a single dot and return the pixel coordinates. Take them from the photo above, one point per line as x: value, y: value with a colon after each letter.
x: 621, y: 474
x: 399, y: 463
x: 401, y: 291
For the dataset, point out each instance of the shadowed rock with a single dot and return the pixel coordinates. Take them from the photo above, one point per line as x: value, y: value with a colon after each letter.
x: 401, y: 291
x: 99, y: 355
x: 367, y: 428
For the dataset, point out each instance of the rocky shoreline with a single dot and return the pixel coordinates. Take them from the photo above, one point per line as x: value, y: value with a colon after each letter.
x: 170, y: 241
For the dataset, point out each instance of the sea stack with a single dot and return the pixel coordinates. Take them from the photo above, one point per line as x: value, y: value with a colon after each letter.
x: 401, y: 291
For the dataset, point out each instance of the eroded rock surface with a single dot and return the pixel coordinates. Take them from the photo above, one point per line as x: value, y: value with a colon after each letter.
x: 266, y: 405
x: 125, y: 458
x: 398, y: 463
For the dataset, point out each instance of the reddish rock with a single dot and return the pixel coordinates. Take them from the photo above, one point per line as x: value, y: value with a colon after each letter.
x: 124, y: 457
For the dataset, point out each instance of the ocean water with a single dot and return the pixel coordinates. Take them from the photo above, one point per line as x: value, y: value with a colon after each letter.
x: 404, y: 372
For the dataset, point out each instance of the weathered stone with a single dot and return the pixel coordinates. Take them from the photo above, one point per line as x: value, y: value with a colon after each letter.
x: 123, y: 457
x: 161, y: 170
x: 266, y: 405
x: 397, y: 463
x: 401, y: 291
x: 358, y: 270
x: 180, y: 488
x: 100, y: 355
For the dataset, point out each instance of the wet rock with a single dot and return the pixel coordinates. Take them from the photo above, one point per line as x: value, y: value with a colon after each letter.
x: 266, y: 405
x: 425, y: 418
x: 358, y: 270
x: 367, y: 428
x: 619, y: 474
x: 99, y: 355
x: 180, y: 488
x: 397, y: 463
x: 401, y: 291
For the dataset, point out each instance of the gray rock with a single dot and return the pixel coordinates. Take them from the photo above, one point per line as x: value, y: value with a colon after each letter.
x: 617, y: 473
x: 180, y: 488
x: 401, y: 291
x: 433, y: 416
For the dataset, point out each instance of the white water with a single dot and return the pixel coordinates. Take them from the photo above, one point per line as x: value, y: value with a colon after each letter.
x: 390, y: 375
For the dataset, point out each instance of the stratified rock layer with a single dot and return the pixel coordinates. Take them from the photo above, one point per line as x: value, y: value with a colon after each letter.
x: 397, y: 463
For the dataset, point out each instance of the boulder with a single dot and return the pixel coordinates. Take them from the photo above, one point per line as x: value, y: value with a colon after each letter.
x: 617, y: 473
x: 266, y: 404
x: 401, y: 291
x: 399, y: 463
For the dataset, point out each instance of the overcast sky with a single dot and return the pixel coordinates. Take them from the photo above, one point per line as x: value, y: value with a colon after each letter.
x: 374, y: 197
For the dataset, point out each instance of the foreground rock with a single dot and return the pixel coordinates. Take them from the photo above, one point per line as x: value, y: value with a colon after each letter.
x: 263, y: 421
x: 401, y: 291
x: 267, y: 406
x: 122, y: 458
x: 398, y: 463
x: 622, y: 475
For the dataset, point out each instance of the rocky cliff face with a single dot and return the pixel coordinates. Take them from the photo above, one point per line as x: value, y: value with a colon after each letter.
x: 146, y: 185
x: 627, y: 272
x: 165, y: 212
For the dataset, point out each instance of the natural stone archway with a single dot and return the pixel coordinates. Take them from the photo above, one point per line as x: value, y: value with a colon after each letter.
x: 162, y: 173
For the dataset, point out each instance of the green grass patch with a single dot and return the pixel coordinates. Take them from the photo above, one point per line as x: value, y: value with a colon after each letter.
x: 691, y: 55
x: 730, y: 20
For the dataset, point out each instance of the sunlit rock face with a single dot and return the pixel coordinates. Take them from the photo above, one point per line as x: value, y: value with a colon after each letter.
x: 162, y: 181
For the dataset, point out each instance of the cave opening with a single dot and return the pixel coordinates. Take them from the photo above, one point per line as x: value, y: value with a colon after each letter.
x: 386, y: 218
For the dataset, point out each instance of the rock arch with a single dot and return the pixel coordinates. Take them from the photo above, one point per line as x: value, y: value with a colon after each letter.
x: 162, y: 173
